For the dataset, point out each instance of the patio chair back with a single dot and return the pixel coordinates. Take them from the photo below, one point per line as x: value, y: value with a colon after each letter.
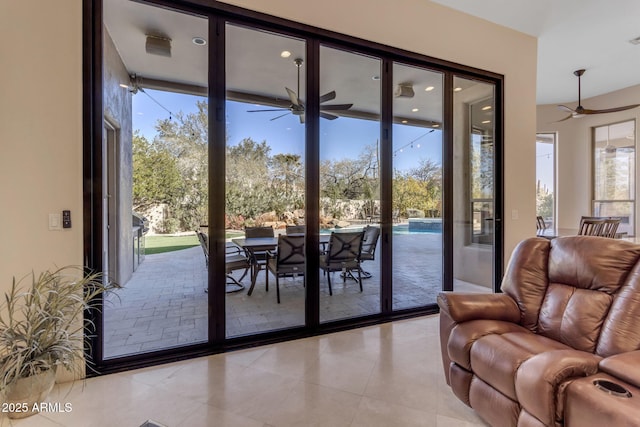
x: 369, y: 243
x: 295, y: 229
x: 204, y: 243
x: 289, y: 259
x: 343, y: 255
x: 258, y: 232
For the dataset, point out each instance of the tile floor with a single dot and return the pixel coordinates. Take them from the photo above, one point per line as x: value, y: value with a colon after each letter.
x: 384, y: 375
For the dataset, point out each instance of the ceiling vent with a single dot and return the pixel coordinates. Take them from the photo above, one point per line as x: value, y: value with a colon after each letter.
x: 157, y: 45
x: 404, y: 90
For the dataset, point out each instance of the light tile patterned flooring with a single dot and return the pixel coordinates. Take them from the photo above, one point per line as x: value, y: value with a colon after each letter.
x: 384, y: 375
x: 164, y: 304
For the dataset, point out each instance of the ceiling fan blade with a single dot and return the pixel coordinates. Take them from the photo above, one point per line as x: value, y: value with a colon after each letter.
x: 565, y: 108
x: 260, y: 111
x: 611, y: 110
x: 293, y: 97
x: 335, y: 107
x: 328, y: 96
x: 566, y: 118
x: 328, y: 116
x: 281, y: 115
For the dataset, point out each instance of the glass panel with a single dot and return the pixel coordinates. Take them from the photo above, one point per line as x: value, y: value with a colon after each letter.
x: 417, y: 186
x: 545, y: 178
x: 614, y: 173
x: 156, y: 170
x: 349, y: 177
x: 473, y: 179
x: 264, y: 175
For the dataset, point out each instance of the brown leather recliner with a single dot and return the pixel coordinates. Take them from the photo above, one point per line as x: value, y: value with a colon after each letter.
x: 568, y: 307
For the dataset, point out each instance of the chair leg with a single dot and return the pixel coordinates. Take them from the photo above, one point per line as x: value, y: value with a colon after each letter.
x: 246, y: 270
x: 277, y: 286
x: 360, y: 277
x: 329, y: 281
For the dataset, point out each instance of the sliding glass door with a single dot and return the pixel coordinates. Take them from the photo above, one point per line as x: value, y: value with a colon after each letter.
x: 349, y: 181
x: 265, y: 173
x: 155, y: 164
x: 417, y: 186
x: 242, y: 158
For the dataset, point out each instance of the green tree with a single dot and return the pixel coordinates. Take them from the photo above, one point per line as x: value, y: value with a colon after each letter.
x: 186, y: 138
x: 156, y: 178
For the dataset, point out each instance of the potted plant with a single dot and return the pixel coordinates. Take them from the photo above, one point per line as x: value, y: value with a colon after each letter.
x: 41, y: 329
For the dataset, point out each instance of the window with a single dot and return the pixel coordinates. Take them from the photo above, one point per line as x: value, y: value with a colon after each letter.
x: 546, y: 177
x: 614, y: 154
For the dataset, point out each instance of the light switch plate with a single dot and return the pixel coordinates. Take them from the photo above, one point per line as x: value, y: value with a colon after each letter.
x: 55, y: 221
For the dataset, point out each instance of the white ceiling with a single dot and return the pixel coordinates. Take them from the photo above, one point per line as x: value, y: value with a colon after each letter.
x: 572, y: 34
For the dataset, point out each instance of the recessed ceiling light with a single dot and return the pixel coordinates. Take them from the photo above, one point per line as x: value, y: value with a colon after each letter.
x: 429, y: 88
x: 285, y: 54
x: 405, y: 121
x: 458, y: 89
x: 375, y: 78
x: 199, y: 41
x: 484, y: 122
x: 635, y: 41
x: 486, y: 107
x: 435, y: 125
x: 415, y: 110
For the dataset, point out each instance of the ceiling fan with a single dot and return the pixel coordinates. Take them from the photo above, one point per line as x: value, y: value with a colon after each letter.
x: 297, y: 106
x: 580, y: 111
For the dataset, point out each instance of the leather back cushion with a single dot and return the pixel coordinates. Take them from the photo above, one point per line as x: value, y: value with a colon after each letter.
x: 565, y: 289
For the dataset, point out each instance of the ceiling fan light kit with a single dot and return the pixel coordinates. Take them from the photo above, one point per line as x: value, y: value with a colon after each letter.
x: 580, y: 111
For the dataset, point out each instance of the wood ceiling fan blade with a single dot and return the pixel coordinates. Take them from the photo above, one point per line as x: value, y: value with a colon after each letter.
x: 328, y: 116
x: 328, y: 96
x: 567, y: 109
x: 566, y: 118
x: 335, y: 107
x: 293, y: 97
x: 611, y: 110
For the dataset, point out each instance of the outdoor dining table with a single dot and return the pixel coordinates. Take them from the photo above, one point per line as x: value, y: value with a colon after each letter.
x: 259, y: 244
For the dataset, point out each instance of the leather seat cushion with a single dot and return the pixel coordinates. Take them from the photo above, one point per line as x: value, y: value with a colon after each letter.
x: 496, y: 358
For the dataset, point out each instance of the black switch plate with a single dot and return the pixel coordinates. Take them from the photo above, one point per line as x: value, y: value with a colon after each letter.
x: 66, y: 219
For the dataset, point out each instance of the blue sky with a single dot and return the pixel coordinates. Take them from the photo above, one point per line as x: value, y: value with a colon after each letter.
x: 340, y: 138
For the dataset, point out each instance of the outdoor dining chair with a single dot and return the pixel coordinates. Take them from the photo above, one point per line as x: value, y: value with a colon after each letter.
x: 288, y: 260
x: 343, y: 255
x: 235, y: 259
x: 369, y: 244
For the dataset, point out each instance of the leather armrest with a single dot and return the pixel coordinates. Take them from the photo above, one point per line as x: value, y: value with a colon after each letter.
x: 462, y: 307
x: 539, y: 379
x: 625, y: 366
